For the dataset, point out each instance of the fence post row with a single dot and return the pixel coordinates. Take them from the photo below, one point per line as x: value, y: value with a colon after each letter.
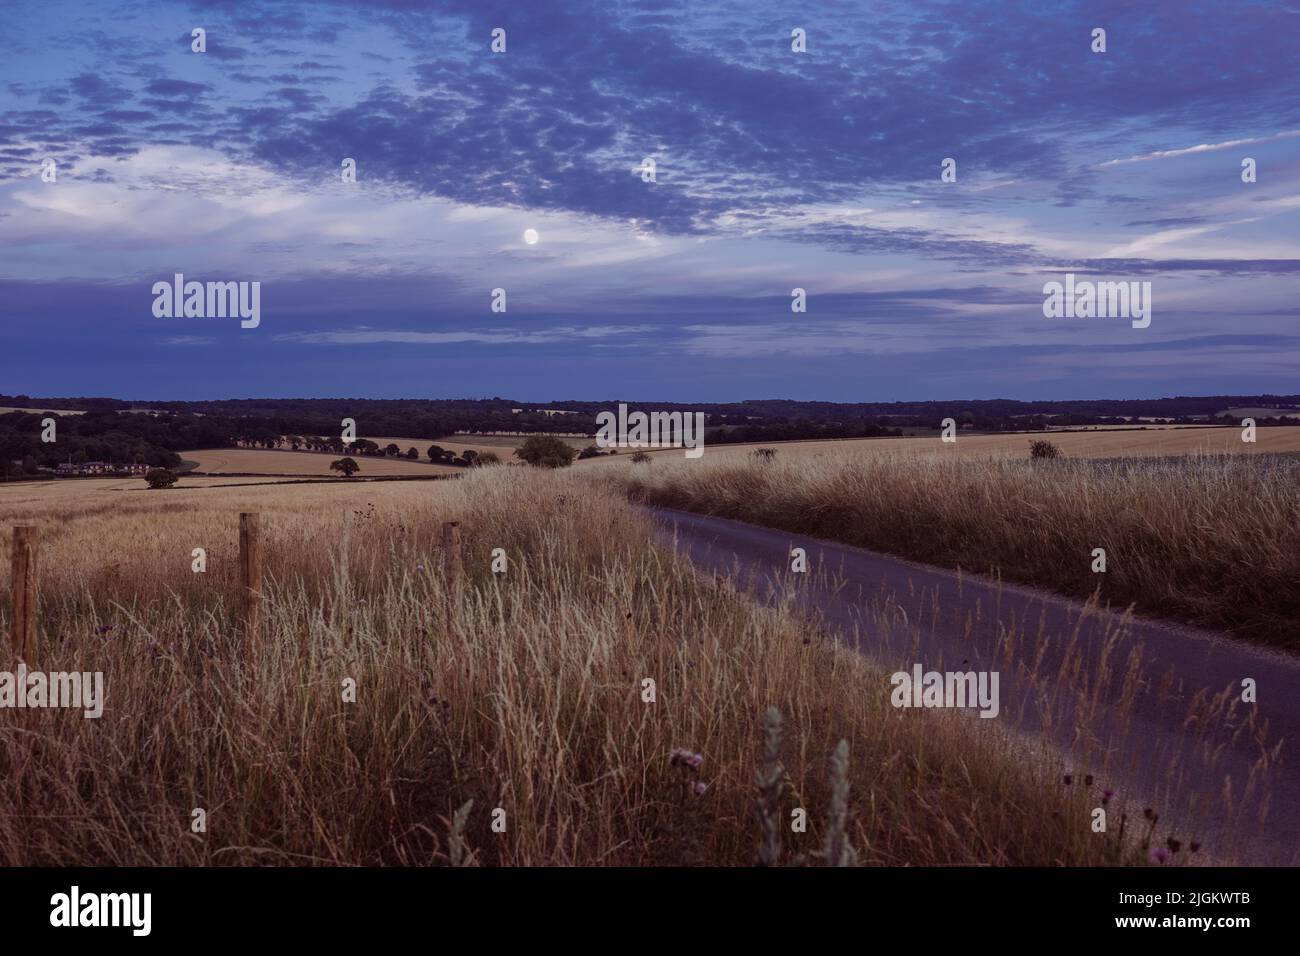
x: 23, y: 582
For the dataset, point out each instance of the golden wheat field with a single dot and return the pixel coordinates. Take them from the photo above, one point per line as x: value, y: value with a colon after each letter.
x: 526, y: 695
x: 256, y: 461
x: 1107, y: 443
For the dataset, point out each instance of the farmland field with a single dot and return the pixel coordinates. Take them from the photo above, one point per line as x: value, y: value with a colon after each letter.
x: 1076, y: 444
x: 533, y: 702
x: 255, y: 461
x: 1264, y: 412
x: 42, y: 495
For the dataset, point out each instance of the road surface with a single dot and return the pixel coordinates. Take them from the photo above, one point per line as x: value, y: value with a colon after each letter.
x: 1068, y: 673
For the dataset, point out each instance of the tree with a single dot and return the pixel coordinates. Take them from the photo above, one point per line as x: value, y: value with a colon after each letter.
x: 346, y: 466
x: 488, y: 458
x: 412, y: 454
x: 1043, y: 449
x: 391, y: 450
x: 591, y: 451
x: 546, y: 451
x: 160, y: 478
x: 439, y: 455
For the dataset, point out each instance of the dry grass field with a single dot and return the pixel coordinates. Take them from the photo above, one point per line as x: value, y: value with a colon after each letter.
x: 1074, y: 444
x: 39, y: 497
x: 531, y: 701
x: 1213, y: 540
x: 255, y: 461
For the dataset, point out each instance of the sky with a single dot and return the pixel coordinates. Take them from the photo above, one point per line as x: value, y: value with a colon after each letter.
x: 773, y: 169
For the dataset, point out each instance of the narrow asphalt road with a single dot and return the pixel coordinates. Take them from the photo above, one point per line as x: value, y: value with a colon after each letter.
x: 1122, y: 697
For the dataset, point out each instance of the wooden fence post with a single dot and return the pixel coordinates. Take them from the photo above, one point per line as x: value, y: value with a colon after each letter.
x: 453, y: 572
x: 250, y: 572
x: 23, y: 592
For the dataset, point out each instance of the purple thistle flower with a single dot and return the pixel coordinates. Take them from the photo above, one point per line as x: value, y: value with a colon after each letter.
x: 680, y: 757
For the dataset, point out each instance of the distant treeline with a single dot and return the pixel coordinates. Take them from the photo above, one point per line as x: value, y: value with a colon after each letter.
x: 95, y: 436
x: 440, y: 417
x: 434, y: 418
x: 255, y: 421
x: 153, y: 432
x: 797, y: 430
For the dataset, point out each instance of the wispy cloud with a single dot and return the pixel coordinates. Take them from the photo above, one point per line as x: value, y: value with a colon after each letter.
x: 499, y: 337
x: 1202, y: 148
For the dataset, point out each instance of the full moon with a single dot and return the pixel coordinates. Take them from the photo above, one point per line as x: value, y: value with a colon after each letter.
x: 531, y: 237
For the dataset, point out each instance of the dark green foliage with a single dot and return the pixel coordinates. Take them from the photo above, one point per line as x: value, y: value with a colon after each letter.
x: 546, y: 451
x: 160, y: 478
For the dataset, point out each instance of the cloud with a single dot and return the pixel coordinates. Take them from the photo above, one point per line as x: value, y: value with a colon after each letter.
x: 1203, y: 148
x: 774, y: 170
x: 499, y: 337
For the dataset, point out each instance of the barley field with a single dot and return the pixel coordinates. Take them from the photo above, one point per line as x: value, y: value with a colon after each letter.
x: 526, y: 695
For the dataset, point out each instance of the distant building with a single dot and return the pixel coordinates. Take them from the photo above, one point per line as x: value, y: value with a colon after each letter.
x: 84, y: 468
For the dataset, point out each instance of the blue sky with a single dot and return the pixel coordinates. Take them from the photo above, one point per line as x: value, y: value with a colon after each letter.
x: 774, y: 169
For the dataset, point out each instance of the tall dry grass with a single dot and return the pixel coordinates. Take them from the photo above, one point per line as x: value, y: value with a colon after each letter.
x: 532, y: 704
x: 1211, y: 540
